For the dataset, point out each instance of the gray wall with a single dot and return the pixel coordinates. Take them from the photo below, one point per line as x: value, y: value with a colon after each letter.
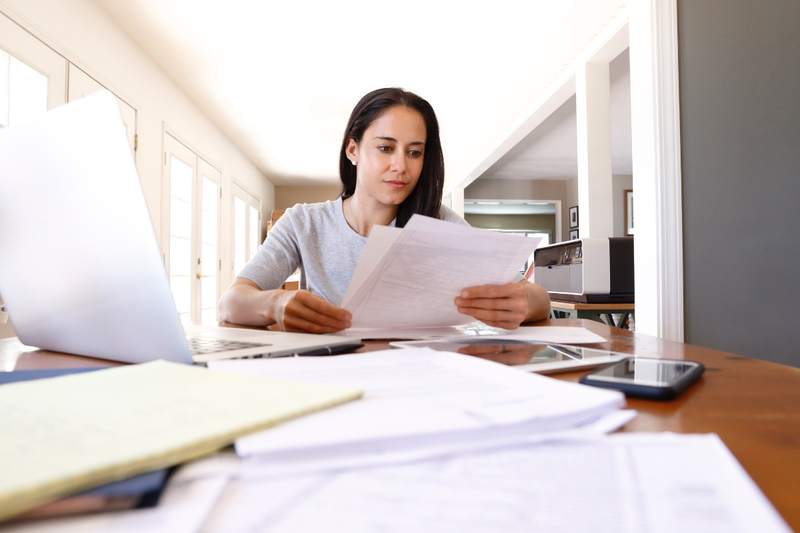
x: 740, y: 135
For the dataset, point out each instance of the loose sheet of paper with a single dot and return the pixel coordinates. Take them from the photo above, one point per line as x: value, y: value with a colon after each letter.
x: 370, y: 454
x: 551, y: 334
x: 650, y: 483
x: 544, y: 334
x: 423, y: 269
x: 381, y: 239
x: 414, y: 397
x: 402, y: 333
x: 64, y: 434
x: 471, y: 329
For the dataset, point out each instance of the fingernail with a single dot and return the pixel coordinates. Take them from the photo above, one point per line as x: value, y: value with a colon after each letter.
x: 464, y: 294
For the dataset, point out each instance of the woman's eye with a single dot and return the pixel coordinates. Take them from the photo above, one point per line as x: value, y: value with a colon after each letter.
x: 415, y: 154
x: 385, y: 148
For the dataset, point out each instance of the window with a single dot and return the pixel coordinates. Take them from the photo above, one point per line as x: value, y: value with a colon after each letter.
x: 210, y: 264
x: 23, y: 91
x: 81, y: 84
x: 35, y: 74
x: 32, y: 76
x: 193, y: 235
x: 32, y: 80
x: 246, y: 227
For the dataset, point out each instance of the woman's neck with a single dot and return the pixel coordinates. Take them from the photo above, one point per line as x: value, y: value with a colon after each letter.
x: 363, y: 213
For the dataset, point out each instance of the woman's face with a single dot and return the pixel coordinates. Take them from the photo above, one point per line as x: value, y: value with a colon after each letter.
x: 389, y: 157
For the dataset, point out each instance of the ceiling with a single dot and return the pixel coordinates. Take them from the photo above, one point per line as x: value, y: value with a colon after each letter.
x: 550, y: 151
x: 280, y: 78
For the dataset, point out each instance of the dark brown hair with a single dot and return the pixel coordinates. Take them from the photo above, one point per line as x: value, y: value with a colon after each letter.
x: 426, y: 198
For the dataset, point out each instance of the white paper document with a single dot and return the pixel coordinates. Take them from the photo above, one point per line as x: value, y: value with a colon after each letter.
x: 543, y: 334
x: 402, y: 333
x: 551, y: 334
x: 417, y: 397
x: 471, y: 329
x: 371, y: 454
x: 649, y: 483
x: 410, y: 278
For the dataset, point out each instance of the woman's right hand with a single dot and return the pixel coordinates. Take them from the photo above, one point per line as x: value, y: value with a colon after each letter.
x: 246, y: 304
x: 302, y: 311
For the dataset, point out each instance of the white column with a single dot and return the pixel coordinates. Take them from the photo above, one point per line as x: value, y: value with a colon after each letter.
x: 593, y: 103
x: 655, y: 133
x: 457, y: 198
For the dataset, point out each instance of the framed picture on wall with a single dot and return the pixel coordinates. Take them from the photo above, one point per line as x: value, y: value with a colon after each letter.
x: 573, y: 234
x: 573, y: 216
x: 628, y: 211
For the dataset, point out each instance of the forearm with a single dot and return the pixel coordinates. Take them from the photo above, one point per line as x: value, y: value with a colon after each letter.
x: 247, y: 305
x: 538, y: 302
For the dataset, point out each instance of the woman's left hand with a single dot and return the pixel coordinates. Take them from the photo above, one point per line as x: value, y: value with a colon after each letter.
x: 505, y: 306
x: 502, y: 306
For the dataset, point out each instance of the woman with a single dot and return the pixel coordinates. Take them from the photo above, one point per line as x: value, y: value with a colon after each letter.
x: 391, y: 167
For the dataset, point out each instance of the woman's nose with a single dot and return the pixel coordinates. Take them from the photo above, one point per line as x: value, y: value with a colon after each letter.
x: 399, y: 161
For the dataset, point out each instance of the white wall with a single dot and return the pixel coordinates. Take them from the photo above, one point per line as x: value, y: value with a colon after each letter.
x: 83, y: 33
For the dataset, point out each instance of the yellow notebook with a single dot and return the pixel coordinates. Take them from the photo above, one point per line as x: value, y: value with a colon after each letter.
x: 65, y: 434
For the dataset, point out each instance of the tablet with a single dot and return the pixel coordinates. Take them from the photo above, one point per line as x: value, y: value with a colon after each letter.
x: 537, y: 357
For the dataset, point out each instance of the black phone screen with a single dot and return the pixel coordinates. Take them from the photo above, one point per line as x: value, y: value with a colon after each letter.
x: 644, y: 371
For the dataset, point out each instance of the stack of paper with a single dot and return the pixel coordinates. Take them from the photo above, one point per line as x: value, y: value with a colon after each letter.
x: 633, y: 483
x: 524, y: 479
x: 425, y: 266
x: 416, y: 402
x: 627, y: 483
x: 65, y: 434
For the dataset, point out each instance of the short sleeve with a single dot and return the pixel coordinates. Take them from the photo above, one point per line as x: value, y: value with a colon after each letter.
x: 277, y: 258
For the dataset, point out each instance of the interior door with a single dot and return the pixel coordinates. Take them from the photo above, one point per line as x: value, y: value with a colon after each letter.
x: 209, y: 264
x: 180, y: 171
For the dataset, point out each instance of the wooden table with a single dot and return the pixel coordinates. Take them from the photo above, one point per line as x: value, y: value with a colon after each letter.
x: 599, y: 312
x: 753, y: 405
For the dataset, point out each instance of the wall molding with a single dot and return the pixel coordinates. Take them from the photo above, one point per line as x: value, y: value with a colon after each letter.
x: 657, y: 168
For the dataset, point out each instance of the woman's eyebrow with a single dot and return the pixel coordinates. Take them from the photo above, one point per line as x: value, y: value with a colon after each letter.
x: 395, y: 140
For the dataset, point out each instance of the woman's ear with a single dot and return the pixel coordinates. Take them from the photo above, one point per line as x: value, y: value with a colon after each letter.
x: 352, y: 151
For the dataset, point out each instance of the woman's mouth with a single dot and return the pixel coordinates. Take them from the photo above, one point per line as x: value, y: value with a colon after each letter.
x: 396, y: 184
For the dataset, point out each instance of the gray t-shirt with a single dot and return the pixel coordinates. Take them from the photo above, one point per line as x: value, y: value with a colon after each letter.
x: 317, y: 239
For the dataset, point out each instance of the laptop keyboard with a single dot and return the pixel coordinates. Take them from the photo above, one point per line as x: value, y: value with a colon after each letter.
x: 204, y: 345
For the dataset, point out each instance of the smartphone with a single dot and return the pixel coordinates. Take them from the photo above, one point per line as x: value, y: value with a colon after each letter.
x: 656, y: 379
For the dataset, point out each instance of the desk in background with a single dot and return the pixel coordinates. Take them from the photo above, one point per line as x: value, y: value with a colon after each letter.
x: 751, y: 404
x: 599, y: 312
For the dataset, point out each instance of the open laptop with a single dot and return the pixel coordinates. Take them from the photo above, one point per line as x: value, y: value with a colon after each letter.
x: 80, y: 267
